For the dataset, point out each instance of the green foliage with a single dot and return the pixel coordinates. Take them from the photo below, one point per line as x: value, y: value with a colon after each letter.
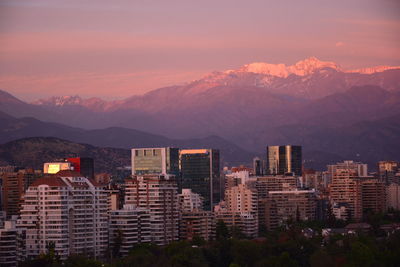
x: 286, y: 246
x: 222, y: 231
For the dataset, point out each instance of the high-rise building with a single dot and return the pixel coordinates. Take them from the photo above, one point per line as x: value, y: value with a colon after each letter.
x: 199, y: 223
x: 266, y: 184
x: 128, y: 226
x: 194, y: 221
x: 13, y: 185
x: 284, y: 160
x: 373, y: 195
x: 387, y: 171
x: 358, y: 168
x: 190, y: 201
x: 346, y: 188
x: 258, y: 166
x: 282, y: 206
x: 12, y: 244
x: 241, y: 198
x: 245, y: 222
x: 84, y: 166
x: 157, y: 194
x: 68, y: 210
x: 163, y: 160
x: 200, y: 172
x: 393, y: 196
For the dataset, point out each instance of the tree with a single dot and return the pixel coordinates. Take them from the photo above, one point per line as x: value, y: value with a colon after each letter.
x: 222, y: 230
x: 118, y: 239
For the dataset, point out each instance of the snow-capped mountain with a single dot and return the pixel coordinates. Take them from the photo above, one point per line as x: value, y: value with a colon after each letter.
x: 301, y: 68
x: 310, y: 78
x: 311, y: 102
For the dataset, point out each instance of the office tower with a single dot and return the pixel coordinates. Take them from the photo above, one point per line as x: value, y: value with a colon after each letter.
x: 393, y: 196
x: 284, y: 160
x: 158, y: 194
x: 346, y: 188
x: 190, y: 201
x: 54, y: 167
x: 12, y: 244
x: 258, y: 166
x: 282, y: 206
x: 200, y: 172
x: 84, y: 166
x: 67, y: 210
x: 13, y: 186
x: 387, y: 171
x: 163, y: 160
x: 373, y: 195
x: 128, y: 226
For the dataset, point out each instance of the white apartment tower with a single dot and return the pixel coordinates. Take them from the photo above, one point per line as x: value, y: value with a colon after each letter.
x: 68, y: 210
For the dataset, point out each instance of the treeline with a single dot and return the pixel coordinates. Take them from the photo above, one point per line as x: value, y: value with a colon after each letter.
x: 288, y: 246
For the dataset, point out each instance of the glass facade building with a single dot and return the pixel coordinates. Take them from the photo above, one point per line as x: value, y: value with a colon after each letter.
x: 200, y: 172
x: 163, y: 160
x: 283, y: 160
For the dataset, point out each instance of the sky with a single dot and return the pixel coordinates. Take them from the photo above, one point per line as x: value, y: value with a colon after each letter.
x: 116, y: 49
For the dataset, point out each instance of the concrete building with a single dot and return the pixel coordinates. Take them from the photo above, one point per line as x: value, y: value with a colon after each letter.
x: 68, y: 210
x: 157, y: 194
x: 245, y: 222
x: 190, y: 201
x: 373, y: 195
x: 13, y: 185
x: 283, y: 160
x: 241, y: 198
x: 199, y: 223
x: 282, y: 206
x: 269, y: 183
x: 128, y: 227
x: 12, y: 244
x: 358, y: 168
x: 393, y: 196
x: 387, y: 171
x: 200, y: 172
x: 346, y: 187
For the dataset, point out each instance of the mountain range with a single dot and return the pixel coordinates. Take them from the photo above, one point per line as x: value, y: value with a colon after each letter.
x: 332, y: 112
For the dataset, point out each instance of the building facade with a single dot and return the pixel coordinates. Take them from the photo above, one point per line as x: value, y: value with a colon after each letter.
x: 69, y: 211
x: 284, y: 160
x: 157, y: 194
x: 12, y: 244
x: 295, y: 205
x: 128, y: 227
x: 13, y: 186
x: 163, y: 160
x: 200, y: 171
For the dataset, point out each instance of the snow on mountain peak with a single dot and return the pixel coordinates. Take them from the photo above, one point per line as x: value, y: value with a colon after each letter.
x: 310, y: 65
x: 301, y: 68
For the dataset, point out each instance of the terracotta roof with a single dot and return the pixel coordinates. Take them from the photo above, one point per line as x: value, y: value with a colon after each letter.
x: 50, y: 181
x: 68, y: 173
